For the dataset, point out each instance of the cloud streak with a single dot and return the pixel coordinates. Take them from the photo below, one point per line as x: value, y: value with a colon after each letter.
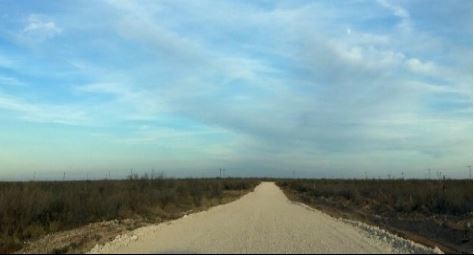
x: 38, y: 29
x: 283, y: 87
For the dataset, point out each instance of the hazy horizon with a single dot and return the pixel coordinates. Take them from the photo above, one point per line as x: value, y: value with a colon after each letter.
x: 327, y: 89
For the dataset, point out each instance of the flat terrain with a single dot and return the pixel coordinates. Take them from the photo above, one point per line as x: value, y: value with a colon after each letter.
x: 73, y: 216
x: 262, y: 221
x: 430, y: 212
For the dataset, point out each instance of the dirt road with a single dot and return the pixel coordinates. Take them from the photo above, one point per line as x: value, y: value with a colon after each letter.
x: 263, y: 221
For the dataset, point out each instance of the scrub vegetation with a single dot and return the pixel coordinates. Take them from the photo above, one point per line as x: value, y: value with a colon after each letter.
x: 30, y: 210
x: 433, y: 212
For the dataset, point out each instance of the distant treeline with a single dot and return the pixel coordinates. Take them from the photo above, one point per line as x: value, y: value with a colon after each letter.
x: 29, y: 210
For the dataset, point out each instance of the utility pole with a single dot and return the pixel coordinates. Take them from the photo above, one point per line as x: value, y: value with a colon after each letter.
x: 429, y: 173
x: 64, y: 176
x: 470, y: 171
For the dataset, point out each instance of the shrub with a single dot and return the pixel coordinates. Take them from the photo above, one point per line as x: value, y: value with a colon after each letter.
x: 29, y: 210
x: 447, y: 197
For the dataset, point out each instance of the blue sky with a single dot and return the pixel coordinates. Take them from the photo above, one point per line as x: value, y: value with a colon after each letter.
x: 261, y: 88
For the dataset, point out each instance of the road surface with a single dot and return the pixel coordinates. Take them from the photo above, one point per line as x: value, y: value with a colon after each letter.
x: 263, y: 221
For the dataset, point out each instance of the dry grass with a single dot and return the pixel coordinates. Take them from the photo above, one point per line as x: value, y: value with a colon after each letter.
x: 434, y: 212
x: 30, y: 210
x: 450, y: 197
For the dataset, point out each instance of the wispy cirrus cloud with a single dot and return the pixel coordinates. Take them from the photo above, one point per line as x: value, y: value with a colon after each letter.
x: 39, y: 28
x: 272, y: 84
x: 43, y: 113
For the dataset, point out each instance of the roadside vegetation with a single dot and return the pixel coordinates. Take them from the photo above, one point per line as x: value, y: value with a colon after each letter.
x: 433, y: 212
x: 30, y: 210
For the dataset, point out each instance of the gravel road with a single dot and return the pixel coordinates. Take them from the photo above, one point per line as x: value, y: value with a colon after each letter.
x: 263, y: 221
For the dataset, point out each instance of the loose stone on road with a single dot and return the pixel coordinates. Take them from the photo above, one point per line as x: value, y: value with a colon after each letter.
x: 263, y: 221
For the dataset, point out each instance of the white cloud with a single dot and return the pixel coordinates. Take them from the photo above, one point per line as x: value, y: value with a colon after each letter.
x: 360, y: 57
x: 354, y: 76
x: 39, y: 28
x: 397, y: 10
x: 62, y: 114
x: 293, y: 88
x: 417, y: 66
x: 405, y: 23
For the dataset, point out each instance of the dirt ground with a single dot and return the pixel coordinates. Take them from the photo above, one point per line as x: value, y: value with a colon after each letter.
x: 263, y: 221
x: 83, y: 239
x: 447, y: 233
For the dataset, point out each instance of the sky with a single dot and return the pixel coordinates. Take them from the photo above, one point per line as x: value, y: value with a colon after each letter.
x: 324, y: 89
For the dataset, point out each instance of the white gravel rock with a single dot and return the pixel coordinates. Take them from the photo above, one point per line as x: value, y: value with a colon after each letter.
x: 263, y: 221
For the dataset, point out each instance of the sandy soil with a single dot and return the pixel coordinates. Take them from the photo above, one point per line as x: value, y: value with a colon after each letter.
x: 263, y: 221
